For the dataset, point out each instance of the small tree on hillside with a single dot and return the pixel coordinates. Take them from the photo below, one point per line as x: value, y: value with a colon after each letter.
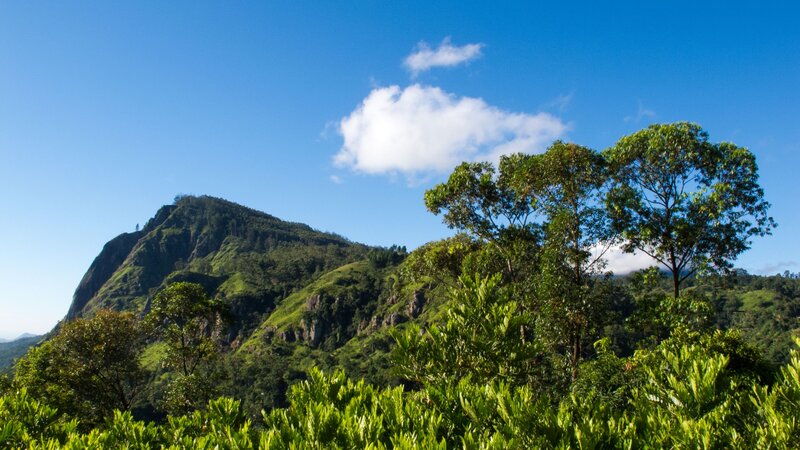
x: 90, y: 368
x: 189, y: 321
x: 482, y: 337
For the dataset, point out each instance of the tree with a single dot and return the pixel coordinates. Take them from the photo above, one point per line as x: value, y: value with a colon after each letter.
x: 565, y: 183
x: 484, y: 204
x: 186, y: 317
x: 188, y: 321
x: 563, y: 188
x: 90, y: 368
x: 440, y: 262
x: 687, y: 203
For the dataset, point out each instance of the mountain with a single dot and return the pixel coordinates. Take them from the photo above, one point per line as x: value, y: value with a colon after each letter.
x: 11, y: 350
x: 308, y: 292
x: 21, y: 336
x: 247, y: 257
x: 299, y: 297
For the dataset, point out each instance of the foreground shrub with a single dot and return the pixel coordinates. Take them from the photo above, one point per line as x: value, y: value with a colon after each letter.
x: 684, y: 397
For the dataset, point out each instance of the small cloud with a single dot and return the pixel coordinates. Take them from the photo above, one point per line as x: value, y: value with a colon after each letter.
x: 422, y: 130
x: 560, y: 103
x: 641, y: 114
x: 330, y: 126
x: 336, y: 179
x: 446, y: 55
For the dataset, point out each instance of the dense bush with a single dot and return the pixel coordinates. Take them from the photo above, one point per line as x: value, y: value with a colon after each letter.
x: 686, y: 398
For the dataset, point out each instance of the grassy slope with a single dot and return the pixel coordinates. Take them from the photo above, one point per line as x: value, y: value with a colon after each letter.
x: 289, y: 312
x: 367, y: 353
x: 764, y: 320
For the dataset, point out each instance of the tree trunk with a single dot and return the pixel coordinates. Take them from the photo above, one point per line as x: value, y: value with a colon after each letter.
x: 676, y: 282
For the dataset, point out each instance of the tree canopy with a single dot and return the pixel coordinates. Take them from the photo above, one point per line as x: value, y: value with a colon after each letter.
x: 688, y: 203
x: 482, y: 202
x: 189, y: 322
x: 91, y: 365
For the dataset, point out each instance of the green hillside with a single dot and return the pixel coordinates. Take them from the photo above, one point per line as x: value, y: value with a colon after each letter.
x: 356, y: 299
x: 765, y: 309
x: 249, y: 258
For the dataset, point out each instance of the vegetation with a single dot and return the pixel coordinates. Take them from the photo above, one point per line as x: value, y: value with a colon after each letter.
x: 689, y: 204
x: 682, y: 394
x: 483, y: 338
x: 90, y: 367
x: 511, y: 334
x: 189, y: 322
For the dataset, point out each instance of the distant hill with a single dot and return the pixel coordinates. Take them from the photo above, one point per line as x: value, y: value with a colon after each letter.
x: 11, y: 350
x: 318, y: 298
x: 21, y: 336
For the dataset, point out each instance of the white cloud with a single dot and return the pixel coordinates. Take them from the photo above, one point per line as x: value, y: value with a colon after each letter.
x: 336, y: 179
x: 421, y: 130
x: 622, y: 263
x: 641, y: 113
x: 446, y: 55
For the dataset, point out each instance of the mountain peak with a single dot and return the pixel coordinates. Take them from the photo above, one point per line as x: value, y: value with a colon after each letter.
x: 234, y: 251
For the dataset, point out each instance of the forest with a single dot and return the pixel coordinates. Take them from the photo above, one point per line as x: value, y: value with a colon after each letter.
x: 216, y: 326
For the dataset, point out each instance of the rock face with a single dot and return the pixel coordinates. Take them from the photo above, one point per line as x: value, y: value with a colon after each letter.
x: 313, y: 332
x: 394, y: 319
x: 104, y: 265
x: 309, y: 333
x: 287, y: 336
x: 312, y: 302
x: 415, y: 306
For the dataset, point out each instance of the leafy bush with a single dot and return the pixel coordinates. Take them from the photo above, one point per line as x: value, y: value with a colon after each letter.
x: 685, y: 399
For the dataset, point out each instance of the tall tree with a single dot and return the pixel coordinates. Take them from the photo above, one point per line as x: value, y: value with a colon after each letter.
x: 479, y: 201
x: 685, y: 202
x: 566, y: 183
x: 562, y: 189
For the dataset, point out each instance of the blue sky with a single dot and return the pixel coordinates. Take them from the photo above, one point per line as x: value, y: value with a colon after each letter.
x: 312, y: 112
